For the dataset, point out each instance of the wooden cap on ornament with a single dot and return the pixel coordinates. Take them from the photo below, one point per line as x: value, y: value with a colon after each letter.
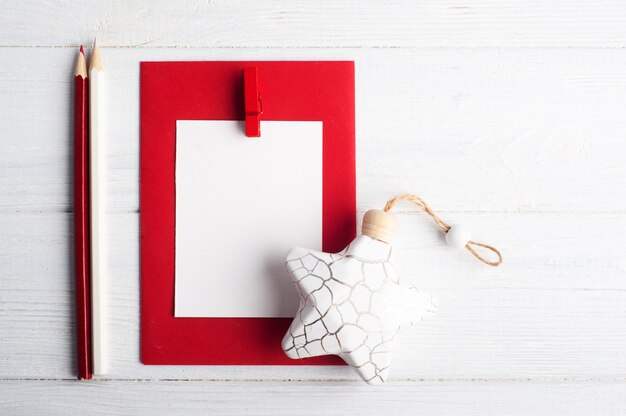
x: 379, y: 225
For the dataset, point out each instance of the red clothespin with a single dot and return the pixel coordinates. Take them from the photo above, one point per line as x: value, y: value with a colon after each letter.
x: 252, y: 101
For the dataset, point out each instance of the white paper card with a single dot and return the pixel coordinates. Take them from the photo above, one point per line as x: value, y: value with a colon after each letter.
x: 241, y: 204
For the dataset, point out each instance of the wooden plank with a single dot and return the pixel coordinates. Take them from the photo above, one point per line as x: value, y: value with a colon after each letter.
x: 556, y: 308
x: 310, y: 398
x: 469, y: 130
x: 399, y: 23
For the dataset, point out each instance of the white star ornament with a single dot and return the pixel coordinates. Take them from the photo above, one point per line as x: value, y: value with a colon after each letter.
x: 352, y: 303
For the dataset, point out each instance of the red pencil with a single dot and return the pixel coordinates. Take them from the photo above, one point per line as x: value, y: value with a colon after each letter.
x: 81, y: 217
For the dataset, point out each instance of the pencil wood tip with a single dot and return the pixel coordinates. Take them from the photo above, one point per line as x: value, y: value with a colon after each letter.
x: 81, y: 64
x: 95, y: 62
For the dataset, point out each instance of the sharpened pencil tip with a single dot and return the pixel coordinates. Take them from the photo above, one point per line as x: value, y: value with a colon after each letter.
x: 95, y: 62
x: 81, y: 64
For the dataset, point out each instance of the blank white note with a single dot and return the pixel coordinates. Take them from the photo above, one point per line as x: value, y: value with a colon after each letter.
x: 241, y: 204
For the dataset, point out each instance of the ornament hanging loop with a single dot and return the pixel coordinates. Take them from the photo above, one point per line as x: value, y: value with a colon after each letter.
x: 479, y: 257
x: 445, y: 228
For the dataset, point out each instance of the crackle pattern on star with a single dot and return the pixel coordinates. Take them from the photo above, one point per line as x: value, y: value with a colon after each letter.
x: 351, y: 306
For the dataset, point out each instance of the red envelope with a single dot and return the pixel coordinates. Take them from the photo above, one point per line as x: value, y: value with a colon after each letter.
x: 290, y: 91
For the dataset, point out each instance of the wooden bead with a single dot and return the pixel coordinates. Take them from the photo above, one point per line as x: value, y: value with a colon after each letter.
x: 379, y: 225
x: 458, y: 236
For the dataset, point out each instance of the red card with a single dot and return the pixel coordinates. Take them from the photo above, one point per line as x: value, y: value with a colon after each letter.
x: 290, y: 91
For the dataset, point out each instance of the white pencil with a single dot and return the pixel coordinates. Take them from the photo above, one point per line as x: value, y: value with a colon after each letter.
x: 97, y: 209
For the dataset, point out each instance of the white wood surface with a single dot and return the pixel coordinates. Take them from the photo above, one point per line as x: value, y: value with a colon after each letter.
x: 321, y: 23
x: 507, y: 117
x: 469, y: 130
x: 313, y: 398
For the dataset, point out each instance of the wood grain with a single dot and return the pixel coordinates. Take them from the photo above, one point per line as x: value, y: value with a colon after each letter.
x: 312, y: 398
x: 468, y: 130
x: 326, y: 23
x: 556, y: 309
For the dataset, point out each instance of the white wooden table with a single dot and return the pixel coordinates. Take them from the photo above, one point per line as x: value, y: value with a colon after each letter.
x: 507, y: 116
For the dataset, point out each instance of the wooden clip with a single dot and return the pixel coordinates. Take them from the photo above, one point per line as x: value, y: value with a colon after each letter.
x: 252, y: 101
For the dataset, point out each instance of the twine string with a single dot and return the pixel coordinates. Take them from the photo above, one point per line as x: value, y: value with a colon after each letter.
x: 445, y: 227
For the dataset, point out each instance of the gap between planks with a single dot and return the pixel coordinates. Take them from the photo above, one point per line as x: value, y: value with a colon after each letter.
x: 337, y: 380
x: 327, y: 48
x: 362, y: 211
